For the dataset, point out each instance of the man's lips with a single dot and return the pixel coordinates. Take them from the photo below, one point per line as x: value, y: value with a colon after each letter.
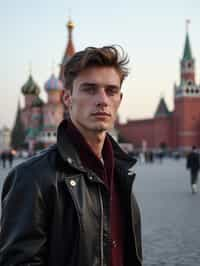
x: 101, y: 114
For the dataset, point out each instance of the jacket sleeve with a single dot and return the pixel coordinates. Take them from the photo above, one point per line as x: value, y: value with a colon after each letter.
x: 23, y: 233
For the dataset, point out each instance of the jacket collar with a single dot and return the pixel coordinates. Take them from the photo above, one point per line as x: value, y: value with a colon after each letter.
x: 70, y: 155
x: 66, y: 148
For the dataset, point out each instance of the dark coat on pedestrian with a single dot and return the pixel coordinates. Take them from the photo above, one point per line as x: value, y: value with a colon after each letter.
x: 193, y: 161
x: 54, y: 211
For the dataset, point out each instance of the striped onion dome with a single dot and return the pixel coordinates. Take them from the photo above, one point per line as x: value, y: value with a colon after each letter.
x: 53, y: 84
x: 30, y: 87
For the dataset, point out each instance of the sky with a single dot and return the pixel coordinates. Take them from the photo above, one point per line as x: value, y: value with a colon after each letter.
x: 34, y: 36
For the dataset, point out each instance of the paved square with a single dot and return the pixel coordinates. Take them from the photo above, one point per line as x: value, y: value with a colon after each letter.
x: 170, y: 214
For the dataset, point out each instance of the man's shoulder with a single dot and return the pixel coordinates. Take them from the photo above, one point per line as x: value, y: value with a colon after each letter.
x: 43, y: 157
x: 37, y: 166
x: 37, y: 171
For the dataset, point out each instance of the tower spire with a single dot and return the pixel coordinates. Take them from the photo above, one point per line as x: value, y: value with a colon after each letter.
x: 53, y: 66
x: 187, y: 53
x: 70, y: 26
x: 187, y: 85
x: 187, y: 23
x: 30, y: 68
x: 70, y: 50
x: 70, y: 46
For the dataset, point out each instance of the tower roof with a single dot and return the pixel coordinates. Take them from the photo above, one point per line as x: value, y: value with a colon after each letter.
x: 187, y: 53
x: 162, y: 109
x: 70, y: 50
x: 30, y: 87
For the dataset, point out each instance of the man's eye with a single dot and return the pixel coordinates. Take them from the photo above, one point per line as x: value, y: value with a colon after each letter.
x: 89, y: 89
x: 112, y: 91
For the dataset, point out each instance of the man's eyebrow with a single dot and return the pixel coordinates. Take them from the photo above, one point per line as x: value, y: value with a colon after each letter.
x: 96, y: 85
x: 88, y: 84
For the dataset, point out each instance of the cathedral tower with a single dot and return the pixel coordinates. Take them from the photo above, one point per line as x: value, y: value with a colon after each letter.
x: 31, y: 92
x: 69, y: 51
x: 53, y: 110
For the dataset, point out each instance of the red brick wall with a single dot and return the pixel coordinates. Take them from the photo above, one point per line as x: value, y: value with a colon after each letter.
x: 163, y: 131
x: 187, y: 115
x: 181, y: 129
x: 136, y: 131
x: 153, y: 131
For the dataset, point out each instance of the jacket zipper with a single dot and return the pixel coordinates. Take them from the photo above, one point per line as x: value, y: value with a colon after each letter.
x: 101, y: 229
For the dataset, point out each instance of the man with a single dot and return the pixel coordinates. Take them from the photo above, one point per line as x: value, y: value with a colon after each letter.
x: 193, y: 164
x: 73, y: 204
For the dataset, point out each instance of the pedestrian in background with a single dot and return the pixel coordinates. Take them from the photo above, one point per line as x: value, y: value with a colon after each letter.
x: 4, y: 158
x: 193, y: 164
x: 10, y: 158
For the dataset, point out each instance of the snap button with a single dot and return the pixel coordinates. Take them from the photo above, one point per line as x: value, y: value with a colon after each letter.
x: 91, y: 177
x: 114, y: 244
x: 69, y: 160
x: 72, y: 183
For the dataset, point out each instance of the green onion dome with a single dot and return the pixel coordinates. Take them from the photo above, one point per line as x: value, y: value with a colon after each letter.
x: 30, y: 87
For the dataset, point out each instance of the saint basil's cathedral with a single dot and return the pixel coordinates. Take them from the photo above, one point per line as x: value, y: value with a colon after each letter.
x: 179, y: 128
x: 40, y: 119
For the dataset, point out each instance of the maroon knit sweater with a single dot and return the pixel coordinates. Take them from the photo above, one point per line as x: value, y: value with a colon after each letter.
x: 106, y: 173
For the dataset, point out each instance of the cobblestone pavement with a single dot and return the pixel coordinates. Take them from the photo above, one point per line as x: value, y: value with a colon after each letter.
x: 170, y: 214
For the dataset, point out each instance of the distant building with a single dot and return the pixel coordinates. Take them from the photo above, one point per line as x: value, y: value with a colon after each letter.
x: 179, y: 128
x: 5, y: 136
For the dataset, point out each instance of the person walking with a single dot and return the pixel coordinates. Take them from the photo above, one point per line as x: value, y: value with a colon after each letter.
x: 193, y: 164
x: 4, y: 158
x: 10, y: 158
x: 73, y: 204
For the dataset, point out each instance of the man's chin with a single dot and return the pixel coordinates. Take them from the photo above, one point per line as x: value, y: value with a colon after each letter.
x: 101, y: 127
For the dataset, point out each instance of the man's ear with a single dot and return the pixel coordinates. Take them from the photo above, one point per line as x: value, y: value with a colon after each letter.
x: 67, y: 98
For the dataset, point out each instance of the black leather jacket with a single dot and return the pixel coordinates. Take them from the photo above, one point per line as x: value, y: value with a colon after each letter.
x: 56, y: 213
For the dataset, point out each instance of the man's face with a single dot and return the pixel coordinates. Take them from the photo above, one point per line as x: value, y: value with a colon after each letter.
x: 94, y: 100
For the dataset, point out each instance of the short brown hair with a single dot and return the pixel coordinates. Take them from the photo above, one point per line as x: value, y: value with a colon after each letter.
x: 107, y: 56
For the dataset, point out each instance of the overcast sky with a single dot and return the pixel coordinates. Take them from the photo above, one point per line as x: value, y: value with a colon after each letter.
x: 152, y: 33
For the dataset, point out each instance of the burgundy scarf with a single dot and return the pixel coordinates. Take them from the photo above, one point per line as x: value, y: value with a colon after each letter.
x: 106, y: 172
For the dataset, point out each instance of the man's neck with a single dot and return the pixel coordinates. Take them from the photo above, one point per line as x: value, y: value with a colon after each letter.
x: 94, y: 139
x: 96, y: 143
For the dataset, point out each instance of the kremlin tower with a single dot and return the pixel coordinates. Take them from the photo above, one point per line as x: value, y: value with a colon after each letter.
x: 177, y: 129
x: 187, y: 101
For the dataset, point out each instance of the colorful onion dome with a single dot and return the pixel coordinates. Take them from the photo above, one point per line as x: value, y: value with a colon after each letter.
x: 53, y: 84
x: 38, y: 102
x: 30, y: 87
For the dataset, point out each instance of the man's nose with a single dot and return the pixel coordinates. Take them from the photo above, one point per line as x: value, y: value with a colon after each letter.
x: 102, y: 97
